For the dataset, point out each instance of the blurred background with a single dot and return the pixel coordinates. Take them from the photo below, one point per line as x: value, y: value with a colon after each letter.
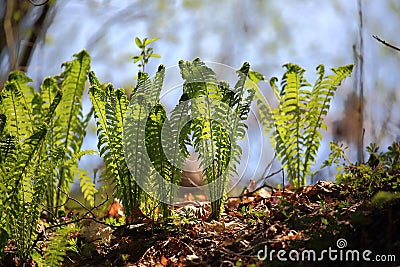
x: 38, y: 38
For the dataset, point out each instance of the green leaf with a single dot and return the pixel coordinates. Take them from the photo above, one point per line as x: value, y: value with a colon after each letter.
x: 139, y: 43
x: 148, y: 41
x: 137, y: 58
x: 256, y: 76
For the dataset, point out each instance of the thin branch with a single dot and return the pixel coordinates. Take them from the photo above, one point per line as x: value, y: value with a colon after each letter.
x: 80, y: 219
x: 386, y: 43
x: 88, y: 211
x: 9, y: 34
x: 38, y: 4
x: 38, y: 29
x: 243, y: 194
x: 360, y: 140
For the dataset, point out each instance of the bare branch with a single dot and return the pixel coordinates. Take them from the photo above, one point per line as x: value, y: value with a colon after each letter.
x: 38, y: 4
x: 386, y: 43
x: 245, y: 194
x: 9, y: 35
x: 84, y: 217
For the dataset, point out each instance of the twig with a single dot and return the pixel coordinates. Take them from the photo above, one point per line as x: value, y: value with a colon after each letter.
x: 386, y: 43
x: 77, y: 201
x: 38, y: 4
x: 260, y: 187
x: 9, y: 35
x: 360, y: 81
x: 88, y: 211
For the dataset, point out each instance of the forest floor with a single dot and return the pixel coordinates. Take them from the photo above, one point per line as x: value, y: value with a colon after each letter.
x: 262, y: 228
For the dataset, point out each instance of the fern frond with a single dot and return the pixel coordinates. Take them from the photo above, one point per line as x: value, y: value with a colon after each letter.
x: 30, y: 98
x: 210, y: 125
x: 17, y: 111
x: 109, y: 109
x: 142, y: 102
x: 166, y: 176
x: 70, y: 126
x: 199, y: 79
x: 244, y: 92
x: 298, y: 118
x: 292, y: 108
x: 87, y: 186
x: 3, y: 120
x: 50, y: 92
x: 27, y: 189
x: 56, y: 247
x: 321, y: 97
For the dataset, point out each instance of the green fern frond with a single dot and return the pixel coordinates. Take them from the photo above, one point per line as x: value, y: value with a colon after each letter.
x: 70, y: 128
x: 164, y: 171
x: 297, y: 121
x: 56, y: 247
x: 244, y: 92
x: 218, y: 113
x: 321, y: 97
x: 105, y: 119
x: 27, y: 155
x: 292, y: 110
x: 144, y: 99
x: 87, y: 186
x: 179, y: 139
x: 17, y: 111
x: 199, y: 79
x: 25, y: 193
x: 50, y: 92
x: 30, y: 99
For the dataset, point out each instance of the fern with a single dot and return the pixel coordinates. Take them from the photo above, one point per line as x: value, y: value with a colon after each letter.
x: 56, y: 248
x: 70, y: 126
x: 142, y: 102
x: 110, y: 106
x: 24, y: 196
x: 16, y: 108
x: 297, y: 120
x: 218, y: 113
x: 39, y: 142
x: 165, y: 175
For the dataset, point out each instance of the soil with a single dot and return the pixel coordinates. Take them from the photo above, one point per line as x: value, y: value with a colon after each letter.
x: 327, y: 218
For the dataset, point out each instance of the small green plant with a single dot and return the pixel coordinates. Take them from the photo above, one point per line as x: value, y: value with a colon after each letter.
x: 218, y: 113
x: 109, y: 110
x: 296, y: 122
x: 337, y: 157
x: 110, y: 107
x: 56, y: 247
x: 146, y: 52
x: 379, y: 174
x: 41, y: 134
